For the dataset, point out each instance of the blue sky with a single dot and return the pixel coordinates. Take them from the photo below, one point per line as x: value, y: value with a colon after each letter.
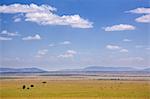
x: 67, y: 34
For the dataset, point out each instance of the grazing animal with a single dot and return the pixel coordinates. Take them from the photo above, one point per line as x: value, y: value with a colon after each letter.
x: 44, y: 82
x: 23, y: 87
x: 32, y: 86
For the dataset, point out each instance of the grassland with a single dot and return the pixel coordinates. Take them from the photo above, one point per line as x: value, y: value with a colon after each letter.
x: 74, y: 89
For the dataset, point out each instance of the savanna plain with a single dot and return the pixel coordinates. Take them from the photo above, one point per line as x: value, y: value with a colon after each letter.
x: 72, y: 88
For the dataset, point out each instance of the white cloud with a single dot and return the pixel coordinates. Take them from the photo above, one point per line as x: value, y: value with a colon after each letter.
x: 65, y: 43
x: 41, y: 53
x: 140, y: 11
x: 127, y: 40
x: 17, y: 19
x: 143, y: 19
x: 44, y: 15
x: 68, y: 54
x: 51, y: 45
x: 71, y: 52
x: 5, y: 32
x: 116, y: 47
x: 36, y: 37
x: 113, y: 47
x: 124, y: 50
x: 120, y: 27
x: 51, y: 19
x: 24, y: 8
x: 5, y: 38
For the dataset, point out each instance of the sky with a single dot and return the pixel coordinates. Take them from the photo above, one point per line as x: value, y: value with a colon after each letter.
x: 72, y: 34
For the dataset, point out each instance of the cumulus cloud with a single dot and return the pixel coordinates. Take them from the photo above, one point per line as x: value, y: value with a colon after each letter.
x: 5, y: 38
x: 24, y: 8
x: 36, y: 37
x: 65, y: 43
x: 120, y: 27
x: 68, y: 54
x: 116, y: 47
x: 113, y: 47
x: 144, y: 18
x: 124, y: 50
x: 44, y: 15
x: 6, y: 33
x: 140, y: 11
x: 51, y: 45
x: 17, y: 19
x: 41, y: 53
x: 127, y: 40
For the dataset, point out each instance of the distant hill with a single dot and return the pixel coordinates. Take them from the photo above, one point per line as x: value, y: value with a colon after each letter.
x: 100, y: 68
x: 87, y: 69
x: 147, y: 69
x: 103, y: 68
x: 21, y: 70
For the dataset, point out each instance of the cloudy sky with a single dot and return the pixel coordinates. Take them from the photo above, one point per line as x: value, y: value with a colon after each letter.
x: 67, y: 34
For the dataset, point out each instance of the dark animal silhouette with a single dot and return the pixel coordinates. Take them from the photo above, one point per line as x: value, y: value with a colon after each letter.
x: 44, y: 82
x: 32, y: 86
x: 23, y: 87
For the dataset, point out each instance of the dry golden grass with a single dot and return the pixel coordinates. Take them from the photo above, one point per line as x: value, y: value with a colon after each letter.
x: 74, y: 89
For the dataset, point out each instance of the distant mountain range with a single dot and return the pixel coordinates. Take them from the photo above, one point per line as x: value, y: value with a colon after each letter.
x: 87, y: 69
x: 98, y: 68
x: 103, y: 68
x: 147, y: 69
x: 21, y: 70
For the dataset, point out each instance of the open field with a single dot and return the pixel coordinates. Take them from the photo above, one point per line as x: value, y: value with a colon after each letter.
x: 73, y: 88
